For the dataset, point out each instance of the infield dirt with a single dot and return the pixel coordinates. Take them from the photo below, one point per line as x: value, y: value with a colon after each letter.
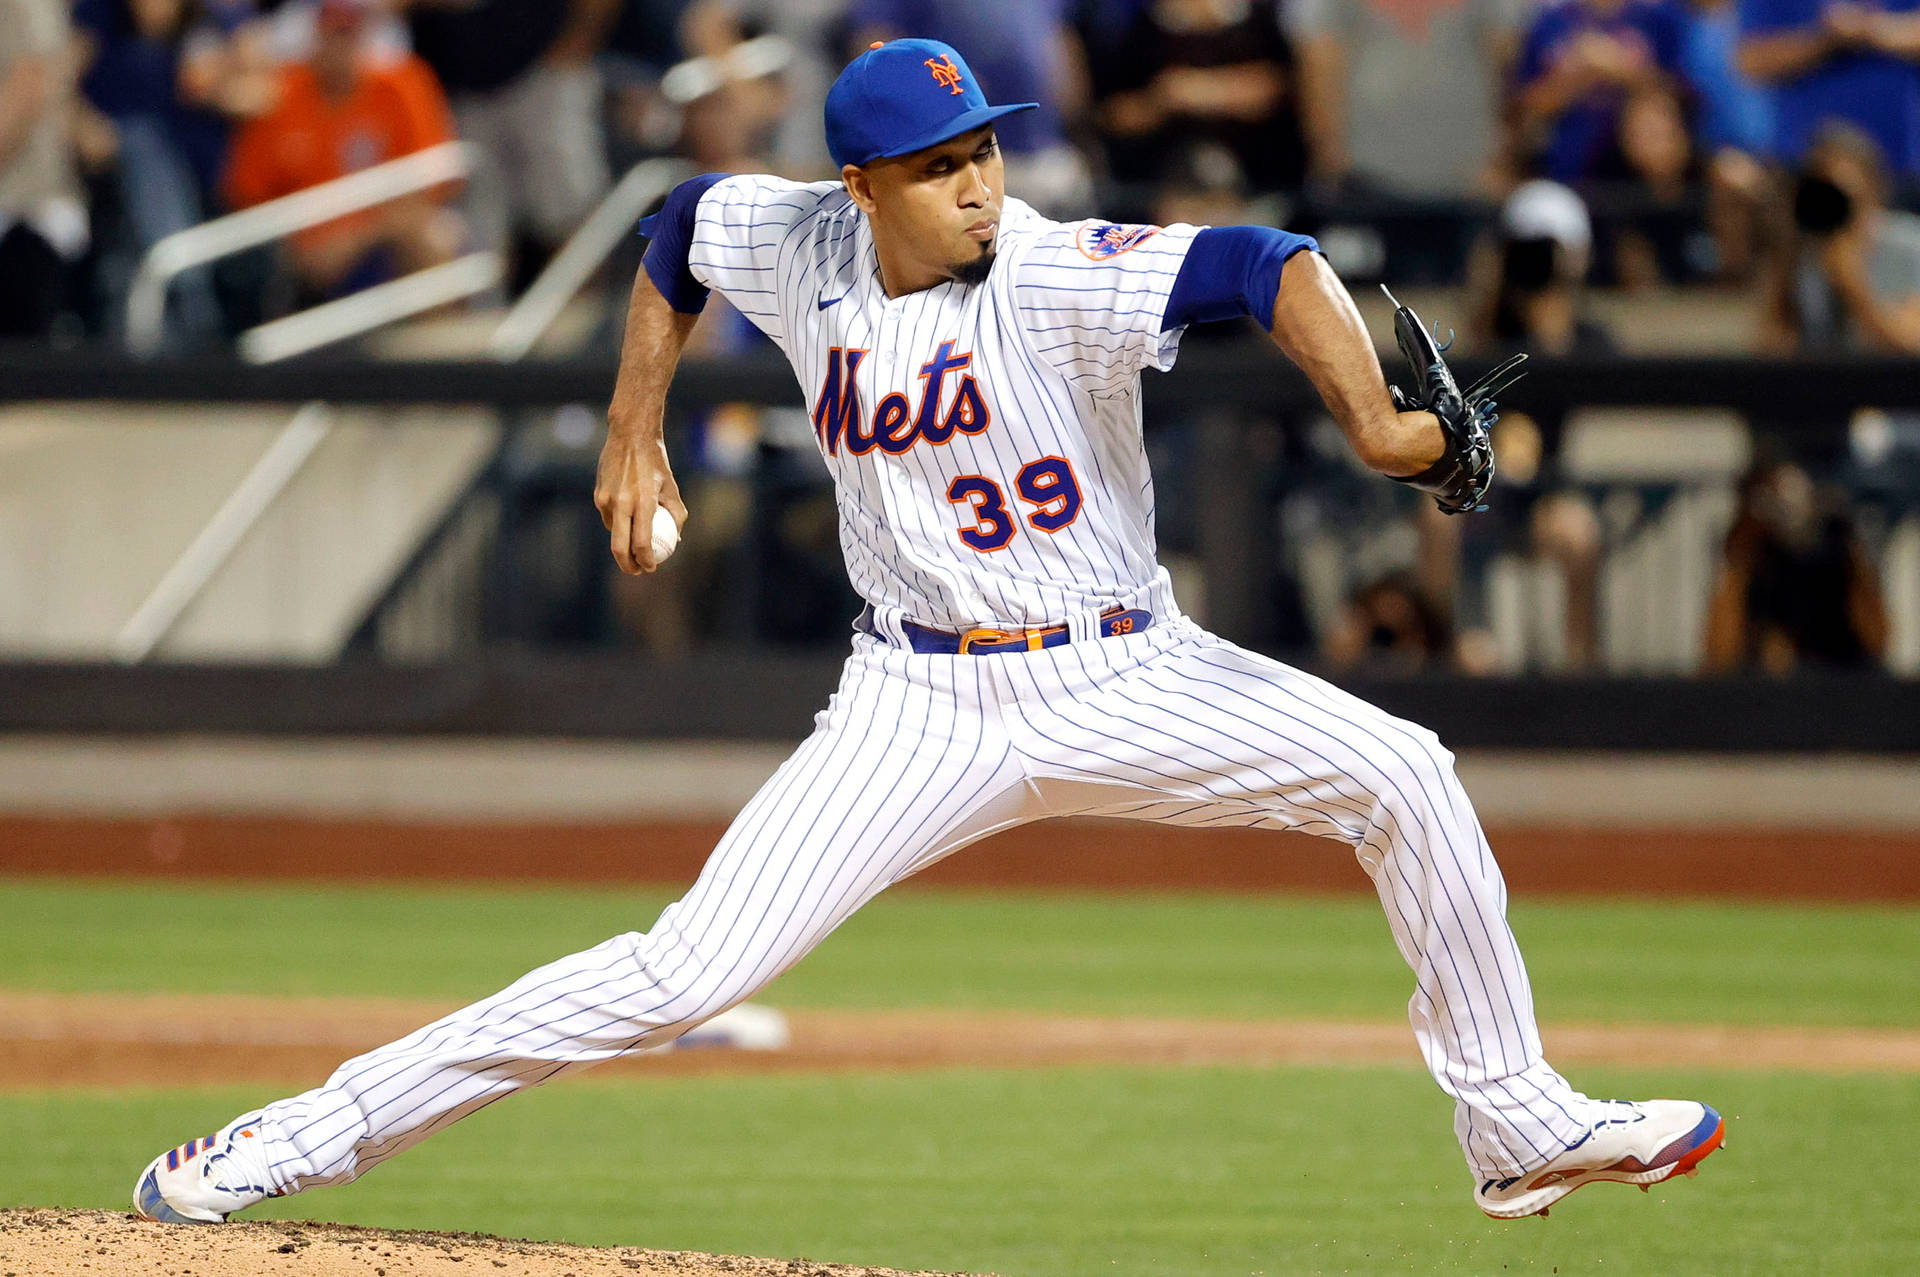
x: 164, y: 1040
x: 40, y: 1243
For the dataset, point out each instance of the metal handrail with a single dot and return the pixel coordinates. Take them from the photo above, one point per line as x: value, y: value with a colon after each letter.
x: 584, y: 252
x: 182, y: 583
x: 370, y: 308
x: 276, y: 219
x: 693, y: 79
x: 523, y: 326
x: 296, y: 334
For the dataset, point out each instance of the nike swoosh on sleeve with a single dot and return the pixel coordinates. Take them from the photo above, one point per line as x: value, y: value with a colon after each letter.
x: 831, y: 301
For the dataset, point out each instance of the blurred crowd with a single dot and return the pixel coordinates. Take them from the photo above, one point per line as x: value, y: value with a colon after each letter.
x: 1521, y: 151
x: 1711, y: 140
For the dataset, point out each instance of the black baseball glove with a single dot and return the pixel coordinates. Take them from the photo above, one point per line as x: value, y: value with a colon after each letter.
x: 1460, y: 478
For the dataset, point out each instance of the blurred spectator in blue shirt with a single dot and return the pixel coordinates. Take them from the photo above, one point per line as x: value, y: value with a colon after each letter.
x: 1579, y: 65
x: 1733, y: 124
x: 172, y: 75
x: 1023, y: 51
x: 131, y: 56
x: 166, y: 77
x: 1853, y: 62
x: 1731, y: 111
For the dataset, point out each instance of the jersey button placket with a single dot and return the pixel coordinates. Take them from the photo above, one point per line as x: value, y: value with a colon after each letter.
x: 889, y: 334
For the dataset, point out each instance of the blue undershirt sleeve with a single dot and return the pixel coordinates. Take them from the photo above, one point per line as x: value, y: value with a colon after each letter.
x: 670, y: 239
x: 1229, y: 271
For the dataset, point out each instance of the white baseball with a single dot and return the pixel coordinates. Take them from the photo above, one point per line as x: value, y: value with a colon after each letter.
x: 666, y: 535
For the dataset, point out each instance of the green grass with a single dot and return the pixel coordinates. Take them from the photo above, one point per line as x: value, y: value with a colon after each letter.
x: 1148, y: 955
x: 1051, y: 1173
x: 1066, y: 1173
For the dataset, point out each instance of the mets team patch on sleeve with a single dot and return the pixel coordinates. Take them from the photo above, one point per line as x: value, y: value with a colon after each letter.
x: 1098, y: 241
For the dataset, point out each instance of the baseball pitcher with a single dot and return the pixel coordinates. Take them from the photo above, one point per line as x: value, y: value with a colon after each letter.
x: 973, y: 372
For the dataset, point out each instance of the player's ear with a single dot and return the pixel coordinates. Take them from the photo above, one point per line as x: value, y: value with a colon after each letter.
x: 859, y: 186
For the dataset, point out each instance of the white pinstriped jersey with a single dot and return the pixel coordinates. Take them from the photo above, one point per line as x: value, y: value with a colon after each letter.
x: 984, y: 440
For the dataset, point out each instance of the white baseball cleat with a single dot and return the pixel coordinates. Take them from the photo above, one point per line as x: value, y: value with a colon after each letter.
x: 1631, y: 1143
x: 205, y: 1180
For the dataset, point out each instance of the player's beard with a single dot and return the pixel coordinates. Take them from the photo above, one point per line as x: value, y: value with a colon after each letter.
x: 977, y: 270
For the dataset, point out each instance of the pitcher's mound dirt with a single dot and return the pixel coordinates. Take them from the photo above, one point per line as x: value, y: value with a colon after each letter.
x: 34, y: 1243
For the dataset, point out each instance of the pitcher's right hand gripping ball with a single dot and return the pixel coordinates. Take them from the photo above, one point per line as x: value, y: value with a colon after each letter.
x: 666, y: 535
x: 1460, y: 478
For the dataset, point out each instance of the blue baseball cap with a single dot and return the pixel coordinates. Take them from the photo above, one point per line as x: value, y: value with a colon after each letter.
x: 901, y: 96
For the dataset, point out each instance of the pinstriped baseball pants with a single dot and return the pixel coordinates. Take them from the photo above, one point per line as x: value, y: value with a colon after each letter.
x: 915, y: 757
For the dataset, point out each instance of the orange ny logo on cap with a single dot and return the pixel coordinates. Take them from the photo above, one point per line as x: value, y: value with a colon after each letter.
x: 945, y: 74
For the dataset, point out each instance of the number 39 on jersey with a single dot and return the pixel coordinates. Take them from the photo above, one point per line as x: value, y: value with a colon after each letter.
x: 1048, y: 484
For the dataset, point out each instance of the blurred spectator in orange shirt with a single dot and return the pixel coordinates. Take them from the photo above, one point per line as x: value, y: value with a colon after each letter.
x: 341, y: 111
